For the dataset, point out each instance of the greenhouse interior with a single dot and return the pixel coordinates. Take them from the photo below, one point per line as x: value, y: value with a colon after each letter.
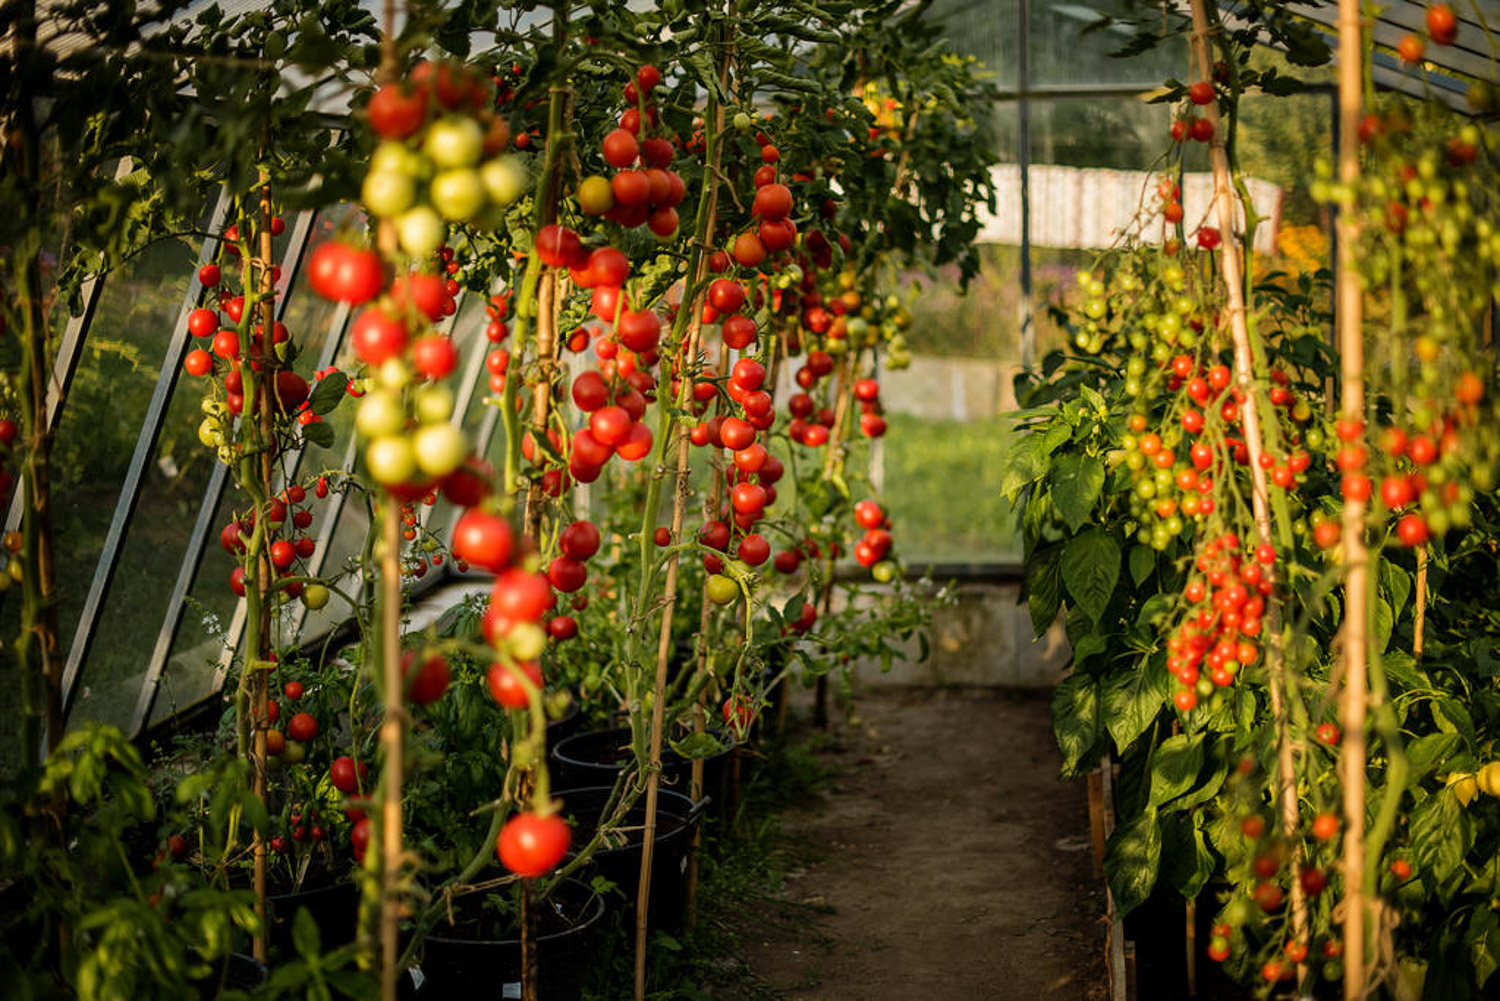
x: 685, y: 499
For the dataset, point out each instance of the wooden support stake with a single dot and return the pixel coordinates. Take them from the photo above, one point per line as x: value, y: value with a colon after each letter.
x: 1232, y: 270
x: 1350, y: 320
x: 1096, y: 822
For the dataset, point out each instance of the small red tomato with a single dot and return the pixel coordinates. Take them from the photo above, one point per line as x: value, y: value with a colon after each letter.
x: 531, y: 845
x: 302, y: 727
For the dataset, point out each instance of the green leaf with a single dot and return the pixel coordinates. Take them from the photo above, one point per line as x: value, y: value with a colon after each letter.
x: 1090, y: 568
x: 1396, y: 583
x: 1076, y: 482
x: 1075, y: 719
x: 1132, y: 700
x: 326, y: 395
x: 1441, y: 836
x: 1044, y: 587
x: 697, y: 745
x: 1025, y: 463
x: 1484, y: 940
x: 1131, y: 861
x: 318, y: 433
x: 1175, y: 767
x: 1142, y: 563
x: 305, y: 934
x: 1187, y: 862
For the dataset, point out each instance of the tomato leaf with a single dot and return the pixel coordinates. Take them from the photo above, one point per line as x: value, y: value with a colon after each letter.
x: 1076, y: 482
x: 328, y: 392
x: 1075, y: 719
x: 1090, y: 568
x: 1132, y: 859
x: 1441, y: 835
x: 305, y: 934
x: 1175, y: 767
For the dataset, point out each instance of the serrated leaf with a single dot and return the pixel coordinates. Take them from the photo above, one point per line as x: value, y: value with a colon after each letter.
x: 1175, y: 767
x: 1132, y: 859
x: 305, y: 934
x: 1075, y: 719
x: 1441, y: 836
x: 1090, y: 568
x: 1075, y: 484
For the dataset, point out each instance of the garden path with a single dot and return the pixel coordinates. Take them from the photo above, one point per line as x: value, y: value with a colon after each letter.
x: 949, y: 861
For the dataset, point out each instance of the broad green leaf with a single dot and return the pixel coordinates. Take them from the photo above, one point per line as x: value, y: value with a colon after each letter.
x: 1396, y: 583
x: 1441, y: 836
x: 1484, y: 943
x: 1131, y: 860
x: 305, y: 934
x: 1076, y: 482
x: 1075, y: 719
x: 1089, y: 646
x: 318, y: 433
x: 1044, y: 587
x: 1450, y: 715
x: 1142, y: 562
x: 1175, y: 767
x: 1187, y: 862
x: 1025, y: 463
x: 327, y: 394
x: 1090, y: 568
x: 1384, y: 623
x: 1132, y: 699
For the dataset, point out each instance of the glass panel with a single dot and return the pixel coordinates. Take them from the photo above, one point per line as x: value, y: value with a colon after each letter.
x: 1278, y: 141
x: 984, y: 29
x: 1069, y: 45
x: 1116, y: 133
x: 117, y: 374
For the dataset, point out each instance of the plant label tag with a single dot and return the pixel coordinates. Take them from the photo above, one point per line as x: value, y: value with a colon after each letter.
x: 511, y: 990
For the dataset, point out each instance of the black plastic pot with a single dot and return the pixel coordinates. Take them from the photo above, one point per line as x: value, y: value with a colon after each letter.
x: 458, y: 963
x: 597, y: 757
x: 334, y: 907
x: 677, y: 820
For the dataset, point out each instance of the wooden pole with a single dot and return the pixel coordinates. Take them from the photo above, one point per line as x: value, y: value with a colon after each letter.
x: 1350, y: 323
x: 703, y: 230
x: 1232, y: 270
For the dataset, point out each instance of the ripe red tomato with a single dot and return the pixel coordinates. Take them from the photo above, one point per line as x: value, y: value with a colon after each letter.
x: 343, y: 273
x: 1268, y: 896
x: 1401, y: 869
x: 425, y: 681
x: 531, y: 845
x: 505, y: 683
x: 662, y: 536
x: 726, y: 295
x: 1314, y: 882
x: 580, y: 540
x: 567, y: 575
x: 396, y: 113
x: 1218, y: 948
x: 748, y: 250
x: 869, y: 514
x: 198, y: 362
x: 1412, y: 530
x: 1356, y: 487
x: 773, y: 202
x: 377, y: 337
x: 1412, y: 48
x: 433, y: 356
x: 620, y: 148
x: 754, y: 549
x: 1201, y: 92
x: 483, y: 540
x: 609, y: 425
x: 1442, y: 24
x: 203, y: 322
x: 344, y: 775
x: 519, y: 596
x: 558, y: 246
x: 302, y: 727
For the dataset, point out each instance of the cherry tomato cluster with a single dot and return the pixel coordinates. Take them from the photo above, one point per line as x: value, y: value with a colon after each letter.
x: 286, y: 525
x: 644, y: 190
x: 1217, y: 636
x: 442, y: 156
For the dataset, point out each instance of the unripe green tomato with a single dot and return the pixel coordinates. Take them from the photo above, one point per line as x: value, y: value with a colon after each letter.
x: 721, y: 590
x: 1094, y: 289
x: 393, y: 374
x: 884, y: 572
x: 315, y: 596
x: 393, y: 155
x: 742, y: 122
x: 527, y: 640
x: 1146, y: 489
x: 388, y: 193
x: 293, y: 753
x: 380, y: 414
x: 439, y: 448
x: 857, y: 328
x: 505, y: 179
x: 1135, y: 462
x: 457, y: 194
x: 1205, y: 687
x: 1188, y: 338
x: 1133, y: 387
x: 454, y: 141
x: 1138, y: 341
x: 433, y: 404
x: 421, y: 231
x: 1094, y: 308
x: 391, y: 459
x: 1135, y: 366
x: 1161, y: 352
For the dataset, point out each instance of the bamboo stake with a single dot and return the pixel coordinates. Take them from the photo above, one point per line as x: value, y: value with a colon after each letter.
x: 708, y: 210
x: 1232, y: 270
x: 1350, y: 318
x: 393, y: 742
x: 1419, y: 622
x: 264, y: 575
x: 541, y: 399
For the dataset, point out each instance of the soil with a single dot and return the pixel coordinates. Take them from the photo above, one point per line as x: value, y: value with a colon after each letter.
x: 952, y: 864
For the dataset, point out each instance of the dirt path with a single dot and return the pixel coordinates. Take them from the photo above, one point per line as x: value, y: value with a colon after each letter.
x: 954, y: 864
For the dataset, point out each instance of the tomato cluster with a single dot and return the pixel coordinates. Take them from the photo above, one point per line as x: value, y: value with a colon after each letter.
x: 1225, y: 602
x: 442, y: 156
x: 644, y: 190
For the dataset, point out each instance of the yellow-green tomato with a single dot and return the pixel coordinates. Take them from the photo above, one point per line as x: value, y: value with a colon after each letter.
x: 380, y: 414
x: 421, y: 231
x: 440, y: 448
x: 505, y: 180
x: 457, y: 194
x: 315, y: 596
x: 391, y: 459
x: 454, y: 141
x: 294, y: 753
x: 884, y: 571
x: 721, y: 590
x: 388, y: 193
